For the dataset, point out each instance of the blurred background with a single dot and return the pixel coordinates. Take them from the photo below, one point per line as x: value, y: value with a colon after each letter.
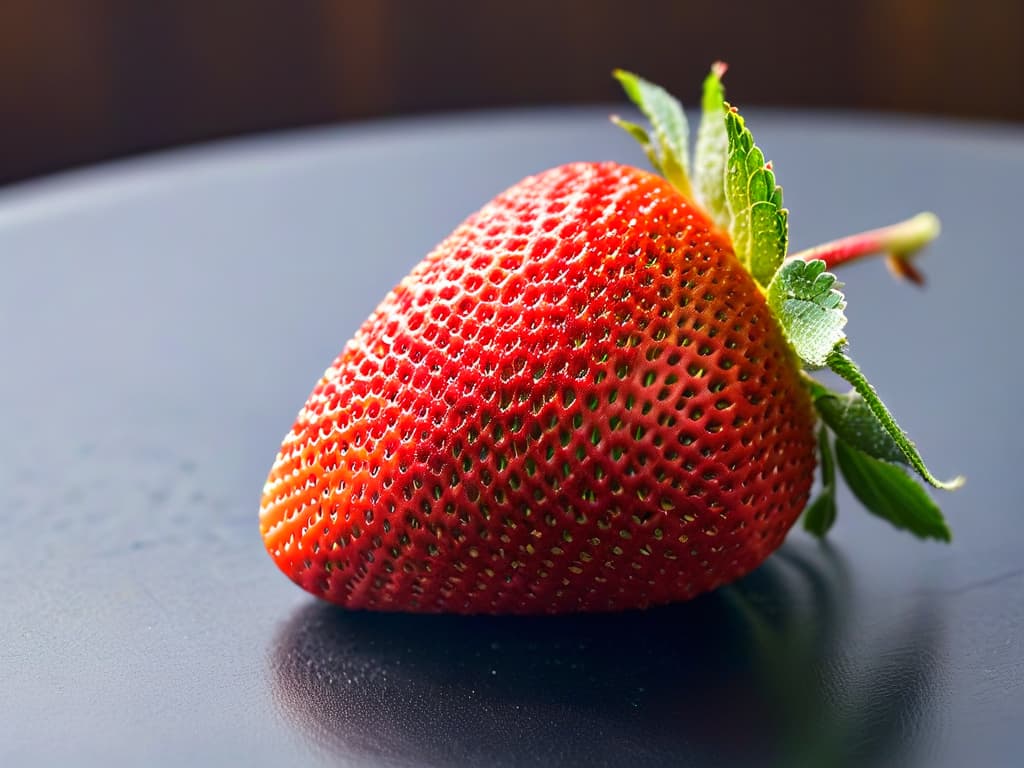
x: 82, y: 82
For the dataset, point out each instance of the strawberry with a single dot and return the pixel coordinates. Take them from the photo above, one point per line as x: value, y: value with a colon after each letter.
x: 591, y: 396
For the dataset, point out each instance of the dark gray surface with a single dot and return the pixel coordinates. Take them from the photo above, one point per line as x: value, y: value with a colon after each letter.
x: 162, y: 321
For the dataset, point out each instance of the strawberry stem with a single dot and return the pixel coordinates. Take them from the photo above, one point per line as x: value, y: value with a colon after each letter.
x: 898, y: 241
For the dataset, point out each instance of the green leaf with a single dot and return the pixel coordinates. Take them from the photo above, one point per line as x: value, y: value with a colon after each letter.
x: 821, y: 513
x: 712, y: 150
x: 852, y: 419
x: 639, y: 133
x: 805, y: 299
x: 671, y: 134
x: 841, y: 364
x: 887, y: 491
x: 759, y: 225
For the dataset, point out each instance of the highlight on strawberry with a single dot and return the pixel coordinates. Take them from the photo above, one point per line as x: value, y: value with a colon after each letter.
x: 594, y: 395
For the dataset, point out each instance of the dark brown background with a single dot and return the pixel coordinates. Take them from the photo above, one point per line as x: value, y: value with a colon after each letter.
x: 86, y: 81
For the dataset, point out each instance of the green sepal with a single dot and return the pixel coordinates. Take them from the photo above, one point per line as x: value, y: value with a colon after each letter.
x: 887, y: 491
x: 806, y: 300
x: 712, y: 149
x: 759, y: 225
x: 668, y: 123
x: 820, y: 514
x: 639, y: 133
x: 851, y: 418
x: 841, y: 364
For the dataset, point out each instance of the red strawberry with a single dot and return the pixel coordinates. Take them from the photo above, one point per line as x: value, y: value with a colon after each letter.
x: 581, y: 400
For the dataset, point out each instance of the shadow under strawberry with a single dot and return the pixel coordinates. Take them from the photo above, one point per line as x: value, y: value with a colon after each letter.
x: 759, y: 673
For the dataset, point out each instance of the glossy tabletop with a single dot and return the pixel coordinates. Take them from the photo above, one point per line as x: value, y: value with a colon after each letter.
x: 163, y: 319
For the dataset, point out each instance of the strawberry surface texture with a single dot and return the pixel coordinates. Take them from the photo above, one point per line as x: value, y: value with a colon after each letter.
x: 579, y: 401
x: 594, y: 395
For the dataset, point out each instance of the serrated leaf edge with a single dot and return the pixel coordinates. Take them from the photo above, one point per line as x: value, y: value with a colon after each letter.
x: 827, y: 298
x: 759, y: 225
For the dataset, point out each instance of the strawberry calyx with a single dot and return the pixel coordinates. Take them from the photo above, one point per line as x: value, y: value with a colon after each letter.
x: 736, y: 186
x: 668, y: 150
